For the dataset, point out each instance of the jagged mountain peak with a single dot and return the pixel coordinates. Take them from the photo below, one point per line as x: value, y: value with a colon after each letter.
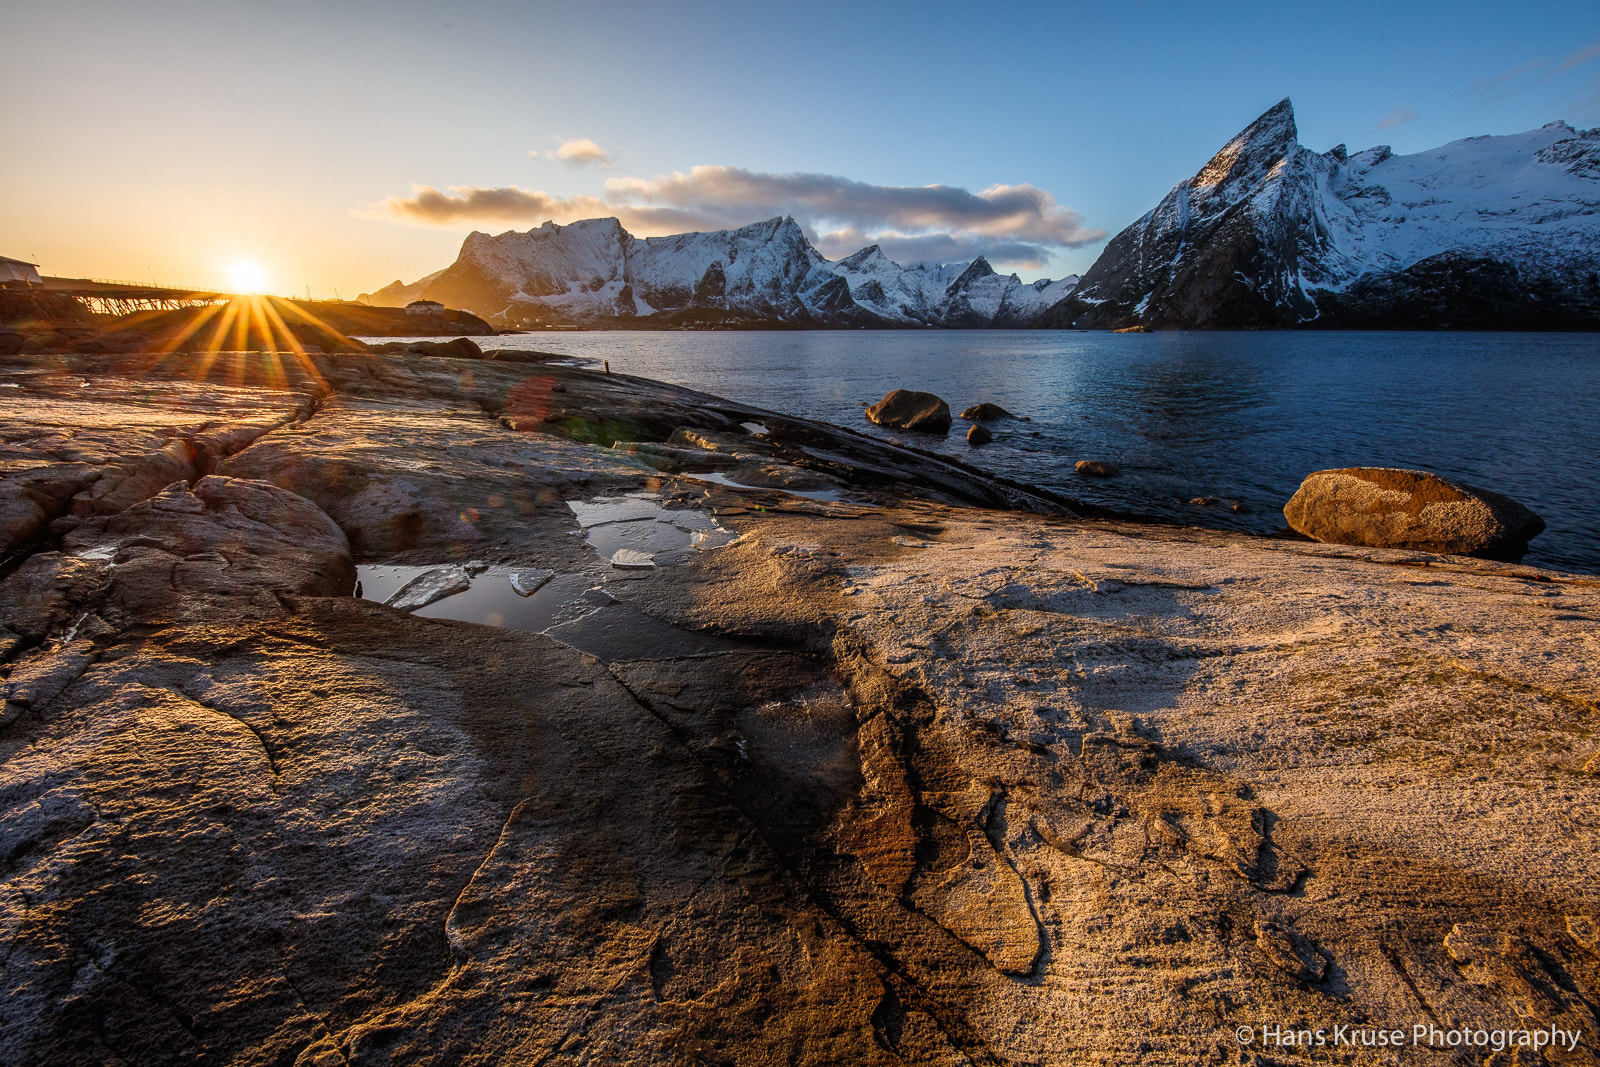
x: 1484, y: 232
x: 1254, y: 150
x: 978, y: 268
x: 857, y: 260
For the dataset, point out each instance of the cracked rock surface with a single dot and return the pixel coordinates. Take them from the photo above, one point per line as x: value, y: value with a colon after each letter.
x: 921, y: 768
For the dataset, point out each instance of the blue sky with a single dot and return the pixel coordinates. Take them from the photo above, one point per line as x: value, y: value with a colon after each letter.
x: 177, y: 139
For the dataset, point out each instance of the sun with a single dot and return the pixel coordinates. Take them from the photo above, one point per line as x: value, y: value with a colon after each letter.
x: 247, y: 277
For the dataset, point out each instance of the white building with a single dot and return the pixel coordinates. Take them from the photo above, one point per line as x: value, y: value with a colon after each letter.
x: 424, y: 307
x: 19, y: 274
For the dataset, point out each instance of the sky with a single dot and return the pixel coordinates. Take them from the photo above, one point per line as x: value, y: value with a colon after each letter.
x: 334, y: 146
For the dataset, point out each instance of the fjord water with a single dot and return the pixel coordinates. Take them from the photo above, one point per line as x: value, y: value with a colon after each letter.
x: 1236, y: 416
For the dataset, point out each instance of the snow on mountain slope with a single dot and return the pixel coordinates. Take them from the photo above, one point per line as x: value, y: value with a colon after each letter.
x: 1528, y: 198
x: 953, y: 294
x: 1269, y: 233
x: 594, y: 271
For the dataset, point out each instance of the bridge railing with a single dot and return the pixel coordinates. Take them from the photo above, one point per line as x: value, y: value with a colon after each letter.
x: 123, y: 283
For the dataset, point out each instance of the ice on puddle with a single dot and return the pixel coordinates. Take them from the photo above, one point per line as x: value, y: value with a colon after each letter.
x: 649, y: 534
x: 527, y: 583
x: 630, y: 508
x: 429, y: 586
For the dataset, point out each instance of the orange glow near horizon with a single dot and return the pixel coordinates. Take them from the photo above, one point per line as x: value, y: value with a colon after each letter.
x: 252, y: 323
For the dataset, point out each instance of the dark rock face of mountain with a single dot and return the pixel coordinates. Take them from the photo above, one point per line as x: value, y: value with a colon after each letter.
x: 1486, y: 233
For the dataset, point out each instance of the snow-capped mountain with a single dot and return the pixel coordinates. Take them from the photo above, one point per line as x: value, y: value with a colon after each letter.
x: 1487, y: 232
x: 595, y: 272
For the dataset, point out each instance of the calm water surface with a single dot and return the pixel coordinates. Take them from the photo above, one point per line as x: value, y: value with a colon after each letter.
x: 1238, y: 416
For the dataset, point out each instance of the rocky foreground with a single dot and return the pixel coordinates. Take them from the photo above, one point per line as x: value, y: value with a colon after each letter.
x: 919, y: 768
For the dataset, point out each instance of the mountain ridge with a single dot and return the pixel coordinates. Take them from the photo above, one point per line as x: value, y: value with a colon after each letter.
x: 1482, y: 233
x: 1489, y: 232
x: 593, y: 272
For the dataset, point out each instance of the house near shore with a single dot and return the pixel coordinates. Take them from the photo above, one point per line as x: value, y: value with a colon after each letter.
x: 424, y: 307
x: 19, y: 274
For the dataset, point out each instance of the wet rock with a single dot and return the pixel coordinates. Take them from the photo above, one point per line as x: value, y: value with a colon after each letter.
x: 979, y: 435
x: 1385, y: 507
x: 1216, y: 501
x: 986, y: 411
x: 1096, y: 468
x: 908, y: 409
x: 429, y: 586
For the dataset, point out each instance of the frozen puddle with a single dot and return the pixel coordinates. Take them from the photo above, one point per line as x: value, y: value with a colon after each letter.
x: 827, y: 496
x: 634, y: 532
x: 567, y: 607
x: 492, y: 596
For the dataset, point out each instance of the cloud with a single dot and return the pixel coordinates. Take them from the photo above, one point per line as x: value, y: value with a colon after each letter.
x: 1483, y: 87
x: 1578, y: 58
x: 470, y: 205
x: 1398, y: 117
x: 1013, y: 225
x: 1020, y: 212
x: 581, y: 151
x: 1491, y: 92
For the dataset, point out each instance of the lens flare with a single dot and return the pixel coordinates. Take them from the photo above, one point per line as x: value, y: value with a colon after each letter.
x: 248, y: 278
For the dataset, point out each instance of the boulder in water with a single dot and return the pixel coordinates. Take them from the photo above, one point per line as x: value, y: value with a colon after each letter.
x: 1096, y: 468
x: 985, y: 412
x: 1387, y: 507
x: 979, y: 435
x: 908, y: 409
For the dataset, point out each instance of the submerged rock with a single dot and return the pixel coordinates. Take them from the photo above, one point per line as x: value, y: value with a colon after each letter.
x: 986, y: 411
x: 1386, y: 507
x: 979, y: 435
x: 908, y: 409
x: 1096, y: 468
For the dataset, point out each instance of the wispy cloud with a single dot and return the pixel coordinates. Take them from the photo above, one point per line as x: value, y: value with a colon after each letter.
x: 1398, y: 117
x: 1014, y: 225
x: 1496, y: 90
x: 726, y: 193
x: 1578, y: 58
x: 1484, y: 87
x: 581, y: 151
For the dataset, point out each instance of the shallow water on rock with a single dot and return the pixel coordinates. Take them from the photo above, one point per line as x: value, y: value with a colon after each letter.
x: 635, y: 531
x: 568, y: 607
x: 829, y: 496
x: 491, y: 599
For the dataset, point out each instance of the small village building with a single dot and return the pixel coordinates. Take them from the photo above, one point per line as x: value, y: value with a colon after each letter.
x: 19, y: 274
x: 424, y: 307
